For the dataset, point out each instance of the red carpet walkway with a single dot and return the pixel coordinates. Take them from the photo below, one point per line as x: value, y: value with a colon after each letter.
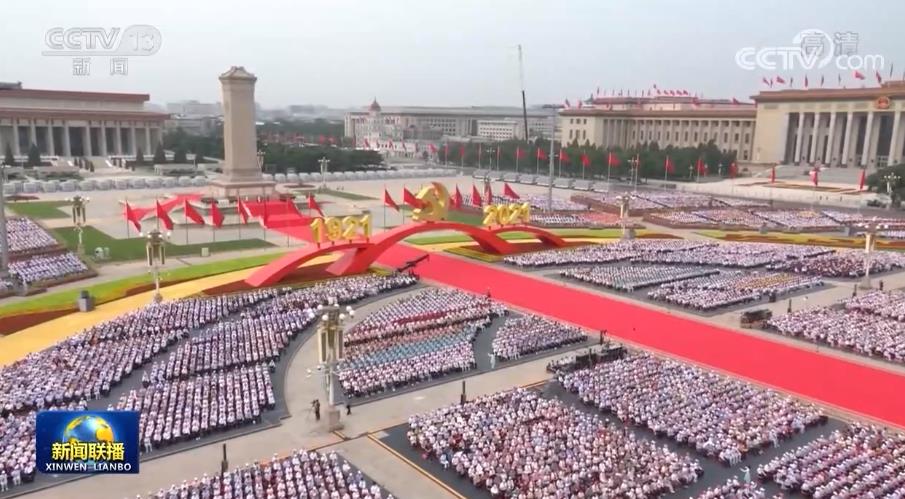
x: 856, y: 388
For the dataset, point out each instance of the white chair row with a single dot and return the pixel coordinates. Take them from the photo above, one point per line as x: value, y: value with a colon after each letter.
x: 32, y: 187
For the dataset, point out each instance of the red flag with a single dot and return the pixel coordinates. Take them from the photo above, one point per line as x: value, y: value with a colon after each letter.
x: 132, y: 217
x: 821, y: 81
x: 814, y: 173
x: 265, y: 212
x: 773, y: 175
x: 733, y: 170
x: 475, y: 196
x: 488, y: 194
x: 568, y: 105
x: 313, y: 205
x: 321, y: 139
x: 508, y: 192
x: 805, y: 82
x: 163, y: 216
x: 612, y: 160
x: 585, y: 160
x: 433, y: 148
x: 668, y: 165
x: 766, y: 81
x: 735, y: 101
x: 367, y: 144
x: 861, y: 180
x: 563, y: 156
x: 388, y: 200
x: 410, y: 199
x: 291, y: 207
x: 779, y: 79
x: 457, y: 199
x: 191, y: 213
x: 541, y: 155
x: 702, y: 168
x: 242, y: 210
x: 461, y: 151
x: 858, y: 75
x: 879, y: 78
x: 216, y: 216
x: 519, y: 153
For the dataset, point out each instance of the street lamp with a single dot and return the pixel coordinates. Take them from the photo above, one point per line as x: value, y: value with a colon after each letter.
x: 156, y: 252
x: 330, y: 352
x: 79, y: 217
x: 260, y: 157
x: 324, y: 162
x: 891, y: 180
x: 624, y: 202
x: 870, y: 240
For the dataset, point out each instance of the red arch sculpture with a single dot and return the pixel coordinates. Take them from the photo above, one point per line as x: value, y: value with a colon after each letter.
x: 276, y: 270
x: 360, y: 255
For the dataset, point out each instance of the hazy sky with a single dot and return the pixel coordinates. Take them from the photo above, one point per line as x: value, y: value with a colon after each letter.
x: 438, y: 52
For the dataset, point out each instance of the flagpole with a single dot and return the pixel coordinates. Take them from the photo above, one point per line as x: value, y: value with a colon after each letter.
x: 185, y: 218
x: 608, y: 168
x: 128, y: 232
x: 516, y: 159
x: 550, y: 186
x: 238, y: 210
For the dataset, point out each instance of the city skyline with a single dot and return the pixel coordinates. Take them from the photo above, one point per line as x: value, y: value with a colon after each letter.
x: 342, y: 54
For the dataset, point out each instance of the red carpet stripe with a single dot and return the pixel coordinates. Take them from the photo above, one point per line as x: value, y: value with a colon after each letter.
x: 854, y: 387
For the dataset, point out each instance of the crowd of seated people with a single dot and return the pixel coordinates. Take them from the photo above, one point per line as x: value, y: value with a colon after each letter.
x: 735, y: 489
x: 870, y: 325
x: 858, y: 461
x: 736, y: 254
x: 88, y: 365
x: 518, y: 444
x: 677, y: 200
x: 799, y: 219
x: 17, y: 445
x: 417, y: 338
x: 718, y: 416
x: 300, y: 474
x: 628, y: 278
x: 856, y: 217
x: 26, y: 236
x: 176, y: 411
x: 46, y: 267
x: 732, y: 216
x: 610, y: 201
x: 729, y: 288
x: 891, y: 234
x: 844, y: 263
x: 583, y: 220
x: 604, y: 253
x: 531, y: 334
x: 678, y: 219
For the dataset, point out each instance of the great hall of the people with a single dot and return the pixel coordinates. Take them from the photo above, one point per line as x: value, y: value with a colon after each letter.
x: 853, y: 127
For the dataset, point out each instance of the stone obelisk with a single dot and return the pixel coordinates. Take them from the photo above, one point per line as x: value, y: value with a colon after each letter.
x: 242, y: 174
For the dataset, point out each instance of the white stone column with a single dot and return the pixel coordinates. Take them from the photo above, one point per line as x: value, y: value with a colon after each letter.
x: 134, y: 145
x: 828, y: 156
x: 868, y: 131
x: 799, y: 138
x: 103, y: 139
x: 67, y: 149
x: 32, y: 134
x: 16, y: 149
x: 118, y: 139
x: 86, y: 141
x: 51, y: 147
x: 815, y: 133
x: 894, y: 147
x: 847, y: 139
x: 147, y: 136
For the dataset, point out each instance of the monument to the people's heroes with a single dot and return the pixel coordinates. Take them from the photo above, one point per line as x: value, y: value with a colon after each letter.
x: 242, y: 174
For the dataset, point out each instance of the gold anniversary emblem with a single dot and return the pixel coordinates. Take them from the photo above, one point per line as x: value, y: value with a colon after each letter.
x: 435, y: 203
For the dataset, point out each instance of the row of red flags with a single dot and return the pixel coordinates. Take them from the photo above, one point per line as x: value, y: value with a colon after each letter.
x: 216, y: 215
x: 457, y: 199
x: 779, y: 80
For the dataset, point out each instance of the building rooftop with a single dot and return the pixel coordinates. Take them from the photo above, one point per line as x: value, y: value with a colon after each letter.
x: 31, y: 93
x: 889, y: 89
x: 475, y: 111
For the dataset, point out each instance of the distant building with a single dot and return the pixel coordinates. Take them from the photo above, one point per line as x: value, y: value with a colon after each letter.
x: 69, y: 123
x: 668, y: 121
x: 205, y: 125
x: 193, y: 108
x: 499, y: 130
x: 433, y: 123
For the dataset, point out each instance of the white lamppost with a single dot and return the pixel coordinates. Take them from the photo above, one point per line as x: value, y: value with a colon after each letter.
x: 324, y: 163
x: 870, y: 240
x: 156, y: 253
x: 330, y: 352
x: 624, y: 207
x: 891, y: 180
x: 79, y: 217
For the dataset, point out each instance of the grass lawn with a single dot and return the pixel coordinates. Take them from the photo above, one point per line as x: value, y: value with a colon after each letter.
x: 39, y: 209
x: 346, y: 195
x: 464, y: 217
x: 134, y: 248
x: 112, y: 290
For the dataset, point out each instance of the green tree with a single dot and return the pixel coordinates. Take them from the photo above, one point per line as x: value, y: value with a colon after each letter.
x: 139, y: 157
x: 34, y: 155
x: 160, y: 157
x: 179, y: 156
x: 8, y: 158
